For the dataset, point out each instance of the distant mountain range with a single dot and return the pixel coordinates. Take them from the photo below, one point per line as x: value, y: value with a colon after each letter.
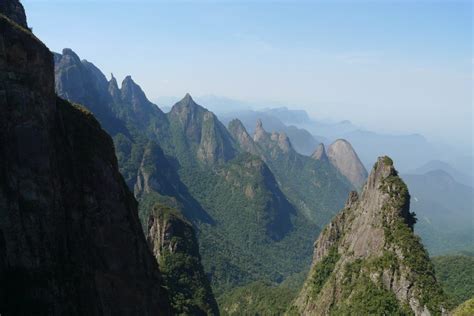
x: 444, y: 209
x: 243, y: 194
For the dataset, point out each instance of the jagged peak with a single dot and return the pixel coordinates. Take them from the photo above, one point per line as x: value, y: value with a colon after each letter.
x: 260, y: 133
x: 320, y: 153
x: 237, y: 127
x: 67, y: 52
x: 284, y: 142
x: 130, y: 89
x: 188, y: 105
x: 259, y: 125
x: 382, y: 169
x: 113, y: 86
x: 13, y: 9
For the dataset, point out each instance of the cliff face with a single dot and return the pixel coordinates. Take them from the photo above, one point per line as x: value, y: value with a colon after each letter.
x: 344, y: 158
x: 176, y: 248
x: 70, y: 239
x: 368, y: 261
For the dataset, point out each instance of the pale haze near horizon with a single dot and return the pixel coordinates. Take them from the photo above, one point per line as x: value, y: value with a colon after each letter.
x: 398, y: 67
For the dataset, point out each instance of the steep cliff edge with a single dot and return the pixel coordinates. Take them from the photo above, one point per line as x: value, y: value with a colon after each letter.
x: 70, y: 239
x: 176, y: 248
x: 368, y: 260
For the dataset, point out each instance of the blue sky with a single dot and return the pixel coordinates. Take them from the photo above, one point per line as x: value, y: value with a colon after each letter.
x: 398, y: 66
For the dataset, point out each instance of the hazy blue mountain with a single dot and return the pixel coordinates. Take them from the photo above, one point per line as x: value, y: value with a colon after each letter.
x: 444, y: 209
x: 303, y: 141
x: 432, y: 165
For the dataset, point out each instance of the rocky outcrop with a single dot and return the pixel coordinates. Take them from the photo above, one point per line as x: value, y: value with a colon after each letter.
x: 320, y: 153
x: 274, y: 143
x: 368, y: 260
x: 345, y: 159
x: 81, y: 82
x: 240, y: 134
x: 203, y: 132
x: 175, y: 246
x: 70, y: 239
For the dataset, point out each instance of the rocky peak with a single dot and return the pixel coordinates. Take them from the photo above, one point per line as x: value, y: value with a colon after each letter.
x: 186, y: 108
x: 113, y: 88
x: 70, y: 54
x: 284, y: 142
x: 240, y: 134
x: 345, y: 159
x: 260, y: 134
x: 132, y: 92
x: 14, y: 10
x: 320, y: 153
x: 370, y: 247
x: 202, y: 128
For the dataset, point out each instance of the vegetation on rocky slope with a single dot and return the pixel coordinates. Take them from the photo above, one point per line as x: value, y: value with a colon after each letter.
x: 456, y: 275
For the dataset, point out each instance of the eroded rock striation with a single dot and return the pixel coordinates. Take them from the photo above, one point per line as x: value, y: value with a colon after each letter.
x: 70, y: 239
x: 368, y: 260
x: 345, y: 159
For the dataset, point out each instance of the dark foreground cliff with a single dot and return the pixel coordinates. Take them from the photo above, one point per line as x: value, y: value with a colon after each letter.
x: 70, y: 239
x: 368, y: 261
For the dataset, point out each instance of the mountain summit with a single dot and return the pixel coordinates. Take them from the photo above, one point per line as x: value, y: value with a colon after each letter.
x: 344, y: 158
x: 368, y: 260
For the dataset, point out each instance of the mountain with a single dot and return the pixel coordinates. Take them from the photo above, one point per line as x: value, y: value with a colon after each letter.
x: 368, y: 260
x: 302, y: 141
x: 186, y: 159
x: 461, y: 177
x: 315, y: 187
x: 240, y: 202
x: 198, y: 132
x: 444, y: 209
x: 288, y: 116
x: 70, y: 239
x: 345, y: 159
x: 175, y: 246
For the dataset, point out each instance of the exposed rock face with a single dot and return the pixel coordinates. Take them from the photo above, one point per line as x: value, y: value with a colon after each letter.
x: 274, y: 143
x: 320, y: 153
x: 240, y: 134
x: 81, y: 82
x: 204, y: 132
x: 368, y: 261
x: 344, y: 158
x: 70, y: 239
x: 176, y: 248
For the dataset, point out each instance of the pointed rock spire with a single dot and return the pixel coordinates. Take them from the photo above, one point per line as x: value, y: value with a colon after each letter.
x: 113, y: 87
x: 260, y: 134
x: 320, y: 153
x: 240, y: 134
x: 370, y: 247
